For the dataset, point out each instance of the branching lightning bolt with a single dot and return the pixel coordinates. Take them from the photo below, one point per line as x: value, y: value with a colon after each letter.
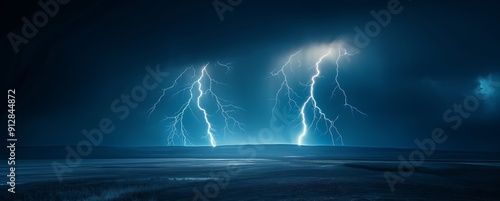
x: 198, y: 103
x: 225, y: 107
x: 310, y: 104
x: 227, y: 66
x: 285, y: 86
x: 316, y: 109
x: 164, y: 91
x: 177, y: 128
x: 318, y: 114
x: 343, y: 52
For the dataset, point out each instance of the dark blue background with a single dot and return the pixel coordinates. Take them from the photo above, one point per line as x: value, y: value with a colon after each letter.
x: 427, y: 59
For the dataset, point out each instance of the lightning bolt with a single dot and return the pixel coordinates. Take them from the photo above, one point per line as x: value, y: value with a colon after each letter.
x: 318, y: 116
x: 224, y: 107
x: 316, y: 109
x: 227, y: 66
x: 343, y: 52
x: 198, y: 103
x: 164, y: 91
x: 285, y: 86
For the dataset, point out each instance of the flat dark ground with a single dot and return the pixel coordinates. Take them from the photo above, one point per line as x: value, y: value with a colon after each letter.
x: 263, y: 172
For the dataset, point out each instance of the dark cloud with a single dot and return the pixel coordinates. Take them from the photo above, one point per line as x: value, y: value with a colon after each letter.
x: 428, y: 58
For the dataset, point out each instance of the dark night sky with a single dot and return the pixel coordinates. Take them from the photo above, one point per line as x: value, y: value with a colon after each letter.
x: 428, y: 58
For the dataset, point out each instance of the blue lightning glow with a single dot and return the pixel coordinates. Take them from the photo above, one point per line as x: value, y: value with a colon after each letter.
x: 168, y: 88
x: 227, y: 66
x: 330, y: 123
x: 343, y: 52
x: 318, y: 116
x: 198, y: 103
x: 290, y: 93
x: 176, y: 126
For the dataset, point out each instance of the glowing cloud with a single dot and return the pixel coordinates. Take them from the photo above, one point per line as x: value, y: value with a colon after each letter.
x: 486, y: 86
